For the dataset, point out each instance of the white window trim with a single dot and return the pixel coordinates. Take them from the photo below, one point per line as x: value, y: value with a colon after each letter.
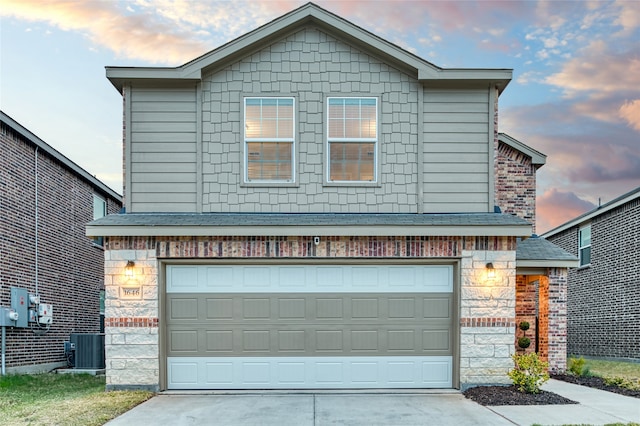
x: 245, y: 141
x: 376, y: 142
x: 581, y: 247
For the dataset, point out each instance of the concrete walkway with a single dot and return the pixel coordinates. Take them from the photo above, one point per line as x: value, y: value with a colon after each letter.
x: 339, y: 408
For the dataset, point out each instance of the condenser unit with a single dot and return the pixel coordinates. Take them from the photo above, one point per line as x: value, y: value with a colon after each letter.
x: 89, y: 352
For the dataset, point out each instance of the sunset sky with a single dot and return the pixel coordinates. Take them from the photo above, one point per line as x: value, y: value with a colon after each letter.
x: 575, y: 94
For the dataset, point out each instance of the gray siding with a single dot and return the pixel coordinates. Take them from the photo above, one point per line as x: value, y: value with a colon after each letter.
x: 187, y: 144
x: 456, y: 151
x: 163, y: 153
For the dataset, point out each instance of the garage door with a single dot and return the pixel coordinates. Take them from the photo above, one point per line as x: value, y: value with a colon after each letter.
x: 309, y: 326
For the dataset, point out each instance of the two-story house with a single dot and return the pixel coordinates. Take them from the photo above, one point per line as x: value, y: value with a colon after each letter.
x: 311, y: 206
x: 45, y: 202
x: 603, y: 292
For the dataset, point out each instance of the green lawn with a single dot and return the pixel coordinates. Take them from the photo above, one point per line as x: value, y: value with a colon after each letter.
x: 627, y: 370
x: 623, y: 374
x: 62, y: 399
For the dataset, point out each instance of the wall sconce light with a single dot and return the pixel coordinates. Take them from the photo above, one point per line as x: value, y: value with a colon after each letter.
x: 491, y: 272
x: 128, y: 270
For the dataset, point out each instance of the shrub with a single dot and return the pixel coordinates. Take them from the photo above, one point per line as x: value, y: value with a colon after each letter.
x: 577, y: 367
x: 529, y: 373
x: 524, y: 342
x: 524, y: 325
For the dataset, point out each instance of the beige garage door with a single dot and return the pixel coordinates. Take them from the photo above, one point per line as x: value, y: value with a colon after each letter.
x: 309, y: 326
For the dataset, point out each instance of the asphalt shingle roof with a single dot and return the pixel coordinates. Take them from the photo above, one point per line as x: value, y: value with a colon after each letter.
x: 536, y: 248
x: 308, y: 219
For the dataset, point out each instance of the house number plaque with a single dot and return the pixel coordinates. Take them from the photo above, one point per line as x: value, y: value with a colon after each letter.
x: 130, y: 292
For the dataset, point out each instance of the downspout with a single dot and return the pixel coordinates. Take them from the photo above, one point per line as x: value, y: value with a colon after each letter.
x: 4, y: 337
x: 36, y: 216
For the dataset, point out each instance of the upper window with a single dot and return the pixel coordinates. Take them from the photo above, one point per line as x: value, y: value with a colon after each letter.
x: 352, y: 136
x: 584, y: 245
x: 99, y: 210
x: 269, y: 125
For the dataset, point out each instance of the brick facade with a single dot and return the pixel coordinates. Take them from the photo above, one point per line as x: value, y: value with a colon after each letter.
x: 603, y: 298
x: 70, y: 267
x: 515, y: 190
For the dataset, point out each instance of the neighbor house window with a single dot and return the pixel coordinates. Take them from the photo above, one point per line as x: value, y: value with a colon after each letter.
x: 352, y: 136
x: 584, y: 245
x: 99, y: 210
x: 269, y: 128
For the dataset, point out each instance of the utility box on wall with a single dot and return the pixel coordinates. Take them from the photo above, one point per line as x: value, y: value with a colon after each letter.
x: 89, y: 350
x: 20, y: 304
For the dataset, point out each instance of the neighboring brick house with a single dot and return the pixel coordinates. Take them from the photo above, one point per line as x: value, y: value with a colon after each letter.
x: 603, y: 293
x: 45, y: 202
x: 311, y: 206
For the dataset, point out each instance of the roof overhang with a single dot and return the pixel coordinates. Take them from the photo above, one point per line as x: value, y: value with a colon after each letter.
x: 538, y: 159
x: 179, y: 225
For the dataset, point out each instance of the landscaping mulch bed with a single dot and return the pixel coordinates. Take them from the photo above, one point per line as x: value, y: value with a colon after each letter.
x: 510, y: 395
x: 597, y: 383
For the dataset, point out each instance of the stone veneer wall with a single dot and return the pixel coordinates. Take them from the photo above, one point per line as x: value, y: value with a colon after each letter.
x: 487, y: 307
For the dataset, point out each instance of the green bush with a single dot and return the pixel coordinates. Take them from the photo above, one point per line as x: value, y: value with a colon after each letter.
x: 578, y: 368
x: 524, y: 326
x: 529, y: 373
x: 524, y: 342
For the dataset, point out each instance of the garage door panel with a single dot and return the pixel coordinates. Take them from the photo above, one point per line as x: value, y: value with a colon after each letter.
x: 437, y: 307
x: 291, y: 341
x: 289, y: 308
x: 184, y: 341
x: 436, y: 340
x: 182, y: 308
x: 220, y: 341
x: 309, y: 373
x: 364, y: 308
x: 315, y: 279
x: 219, y: 308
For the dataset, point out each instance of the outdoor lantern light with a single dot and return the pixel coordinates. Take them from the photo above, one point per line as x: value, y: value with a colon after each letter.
x: 491, y: 272
x: 128, y: 270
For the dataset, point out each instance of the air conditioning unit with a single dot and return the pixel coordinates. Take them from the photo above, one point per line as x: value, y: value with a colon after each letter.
x: 89, y: 351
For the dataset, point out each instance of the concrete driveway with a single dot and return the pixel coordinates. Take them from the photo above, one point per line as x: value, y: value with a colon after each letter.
x: 382, y: 408
x: 310, y: 409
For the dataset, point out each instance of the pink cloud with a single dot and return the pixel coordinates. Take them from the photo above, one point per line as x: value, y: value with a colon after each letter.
x: 130, y: 36
x: 555, y: 207
x: 630, y: 111
x: 599, y: 70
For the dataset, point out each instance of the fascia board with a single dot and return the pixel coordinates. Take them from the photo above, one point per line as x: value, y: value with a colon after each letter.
x: 537, y: 158
x: 452, y: 77
x: 551, y: 263
x: 118, y: 76
x: 183, y: 231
